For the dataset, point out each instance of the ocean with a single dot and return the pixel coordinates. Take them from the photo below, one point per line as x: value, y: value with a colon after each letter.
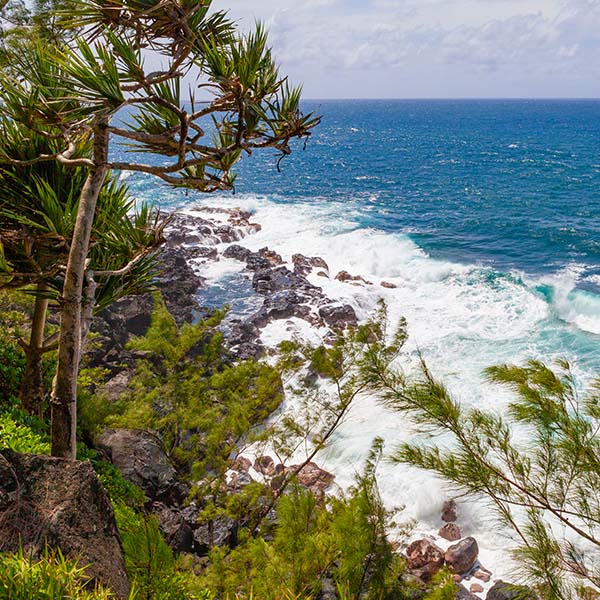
x: 485, y: 214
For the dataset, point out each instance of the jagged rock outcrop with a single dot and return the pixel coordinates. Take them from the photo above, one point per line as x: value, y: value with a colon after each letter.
x: 61, y: 503
x: 287, y: 293
x: 142, y: 461
x: 130, y: 316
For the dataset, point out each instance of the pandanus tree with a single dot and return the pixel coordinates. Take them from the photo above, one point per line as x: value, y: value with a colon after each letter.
x: 38, y: 207
x: 98, y: 86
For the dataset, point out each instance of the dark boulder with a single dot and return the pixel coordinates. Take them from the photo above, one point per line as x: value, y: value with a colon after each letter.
x: 303, y: 265
x: 282, y: 305
x: 461, y: 557
x: 140, y: 457
x: 271, y: 280
x: 177, y: 531
x: 203, y: 253
x: 60, y: 503
x: 338, y: 316
x: 221, y: 531
x: 237, y: 252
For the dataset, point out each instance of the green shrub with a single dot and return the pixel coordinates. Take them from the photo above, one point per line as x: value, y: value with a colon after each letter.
x: 12, y: 365
x: 22, y: 433
x: 150, y: 563
x: 187, y: 390
x: 51, y: 577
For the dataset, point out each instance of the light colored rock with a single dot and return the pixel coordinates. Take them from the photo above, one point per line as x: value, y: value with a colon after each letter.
x: 425, y: 559
x: 450, y: 532
x: 482, y: 575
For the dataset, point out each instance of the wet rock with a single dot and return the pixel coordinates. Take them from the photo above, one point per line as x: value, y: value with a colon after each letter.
x: 60, y: 503
x: 313, y: 478
x: 237, y: 252
x: 338, y: 317
x: 241, y: 464
x: 282, y: 305
x: 388, y: 285
x: 141, y: 459
x: 344, y: 276
x: 243, y: 340
x: 177, y: 531
x: 450, y: 532
x: 221, y: 531
x: 265, y: 465
x: 272, y: 258
x: 271, y: 280
x: 462, y: 556
x: 507, y: 591
x: 482, y: 574
x: 425, y: 559
x: 227, y: 233
x: 449, y: 511
x: 303, y: 265
x: 476, y: 588
x: 206, y: 253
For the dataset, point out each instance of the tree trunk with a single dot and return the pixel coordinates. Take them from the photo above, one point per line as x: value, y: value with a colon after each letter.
x: 32, y: 386
x: 64, y: 392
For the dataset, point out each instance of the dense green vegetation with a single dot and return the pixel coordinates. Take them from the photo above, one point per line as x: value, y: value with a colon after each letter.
x: 304, y: 544
x: 187, y: 390
x: 49, y: 577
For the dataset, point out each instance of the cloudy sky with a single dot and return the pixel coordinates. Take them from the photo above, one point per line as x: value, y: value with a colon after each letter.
x: 433, y: 48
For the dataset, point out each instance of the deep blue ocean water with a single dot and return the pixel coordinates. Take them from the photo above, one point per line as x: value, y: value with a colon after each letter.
x: 514, y: 183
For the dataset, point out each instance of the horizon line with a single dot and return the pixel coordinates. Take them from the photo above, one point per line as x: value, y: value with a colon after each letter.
x: 463, y: 98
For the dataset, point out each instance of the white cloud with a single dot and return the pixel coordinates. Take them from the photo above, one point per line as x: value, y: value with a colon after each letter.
x: 433, y: 47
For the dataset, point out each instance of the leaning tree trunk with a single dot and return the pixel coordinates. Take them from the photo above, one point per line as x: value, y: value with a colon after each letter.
x: 32, y: 386
x: 64, y: 392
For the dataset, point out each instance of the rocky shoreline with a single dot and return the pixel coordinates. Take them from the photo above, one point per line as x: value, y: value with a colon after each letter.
x: 196, y: 238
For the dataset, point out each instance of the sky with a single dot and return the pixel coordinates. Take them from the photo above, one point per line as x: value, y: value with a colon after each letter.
x: 432, y: 48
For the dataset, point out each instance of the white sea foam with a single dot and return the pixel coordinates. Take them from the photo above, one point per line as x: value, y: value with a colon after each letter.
x: 577, y: 307
x: 463, y: 318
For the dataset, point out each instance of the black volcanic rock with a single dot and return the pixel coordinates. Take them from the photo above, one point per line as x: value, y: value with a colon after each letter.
x: 60, y: 503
